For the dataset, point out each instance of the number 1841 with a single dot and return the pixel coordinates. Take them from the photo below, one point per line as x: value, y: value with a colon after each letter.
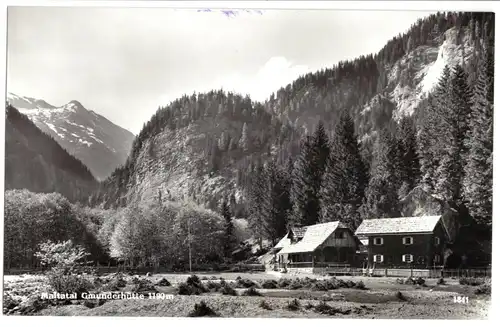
x: 461, y: 299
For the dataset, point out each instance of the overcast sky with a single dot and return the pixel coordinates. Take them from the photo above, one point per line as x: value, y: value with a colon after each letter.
x: 125, y: 62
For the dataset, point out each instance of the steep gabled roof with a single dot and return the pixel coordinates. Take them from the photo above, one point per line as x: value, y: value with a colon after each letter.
x: 285, y: 241
x: 314, y: 236
x: 423, y: 224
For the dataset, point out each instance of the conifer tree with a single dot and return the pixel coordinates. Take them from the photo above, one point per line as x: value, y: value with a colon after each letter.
x: 257, y: 200
x: 382, y: 191
x: 408, y: 159
x: 277, y: 205
x: 244, y: 140
x: 431, y: 131
x: 478, y: 179
x: 305, y: 205
x: 345, y: 176
x: 308, y: 174
x: 228, y: 228
x: 455, y: 124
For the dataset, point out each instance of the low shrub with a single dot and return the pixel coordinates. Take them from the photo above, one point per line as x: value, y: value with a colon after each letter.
x: 400, y: 296
x: 62, y: 283
x: 471, y: 281
x: 309, y: 306
x: 326, y: 285
x: 296, y: 284
x: 246, y: 283
x: 204, y: 278
x: 483, y: 289
x: 114, y: 284
x: 144, y: 286
x: 265, y: 305
x: 284, y: 282
x: 347, y: 284
x: 252, y: 291
x: 360, y: 285
x: 202, y: 310
x: 420, y: 281
x: 269, y: 284
x: 163, y: 282
x: 293, y: 305
x: 214, y: 286
x: 400, y: 281
x: 441, y: 281
x: 228, y: 290
x: 185, y: 289
x: 192, y: 286
x: 409, y: 281
x: 324, y: 308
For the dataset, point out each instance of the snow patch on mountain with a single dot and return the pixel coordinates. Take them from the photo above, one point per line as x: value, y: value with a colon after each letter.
x: 98, y: 143
x: 52, y: 127
x: 85, y: 142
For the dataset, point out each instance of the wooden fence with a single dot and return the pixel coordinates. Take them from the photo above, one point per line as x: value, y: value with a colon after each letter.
x: 337, y: 269
x: 476, y: 272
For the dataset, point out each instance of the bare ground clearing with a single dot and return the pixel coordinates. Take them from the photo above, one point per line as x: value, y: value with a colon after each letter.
x: 378, y: 301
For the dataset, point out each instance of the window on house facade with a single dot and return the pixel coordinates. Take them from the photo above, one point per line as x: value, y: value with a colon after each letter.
x: 421, y: 260
x: 378, y: 258
x: 378, y: 241
x: 341, y: 235
x: 407, y: 240
x: 407, y: 258
x: 436, y: 240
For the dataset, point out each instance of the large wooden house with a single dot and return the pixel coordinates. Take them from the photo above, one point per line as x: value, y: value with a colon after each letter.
x: 317, y: 248
x: 405, y: 242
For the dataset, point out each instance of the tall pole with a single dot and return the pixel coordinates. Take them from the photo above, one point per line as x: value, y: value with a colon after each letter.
x: 189, y: 241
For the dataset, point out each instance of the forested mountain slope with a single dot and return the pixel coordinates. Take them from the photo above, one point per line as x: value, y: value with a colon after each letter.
x: 274, y: 159
x: 35, y: 161
x: 203, y: 146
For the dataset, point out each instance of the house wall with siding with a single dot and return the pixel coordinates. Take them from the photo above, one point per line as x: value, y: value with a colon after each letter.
x: 337, y: 248
x: 423, y: 249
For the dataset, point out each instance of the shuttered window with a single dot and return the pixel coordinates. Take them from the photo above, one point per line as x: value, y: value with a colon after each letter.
x: 407, y: 240
x: 407, y: 258
x: 437, y: 241
x: 378, y: 258
x: 378, y: 241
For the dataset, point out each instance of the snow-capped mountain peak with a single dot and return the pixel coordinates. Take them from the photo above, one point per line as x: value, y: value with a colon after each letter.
x: 74, y: 105
x: 98, y: 143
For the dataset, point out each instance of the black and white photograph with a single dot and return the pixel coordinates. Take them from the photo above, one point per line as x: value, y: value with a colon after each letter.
x: 248, y: 162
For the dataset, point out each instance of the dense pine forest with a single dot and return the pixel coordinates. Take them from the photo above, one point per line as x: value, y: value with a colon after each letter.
x: 311, y: 153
